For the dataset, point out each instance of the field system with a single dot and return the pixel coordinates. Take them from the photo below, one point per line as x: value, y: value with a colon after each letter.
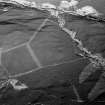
x: 49, y: 50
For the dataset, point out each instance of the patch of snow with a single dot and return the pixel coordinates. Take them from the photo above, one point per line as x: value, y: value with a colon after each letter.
x: 14, y: 82
x: 88, y: 10
x: 25, y: 2
x: 48, y: 6
x: 67, y: 5
x: 64, y: 4
x: 73, y: 3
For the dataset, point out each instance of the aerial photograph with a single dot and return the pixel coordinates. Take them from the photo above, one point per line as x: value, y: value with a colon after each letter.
x: 52, y: 52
